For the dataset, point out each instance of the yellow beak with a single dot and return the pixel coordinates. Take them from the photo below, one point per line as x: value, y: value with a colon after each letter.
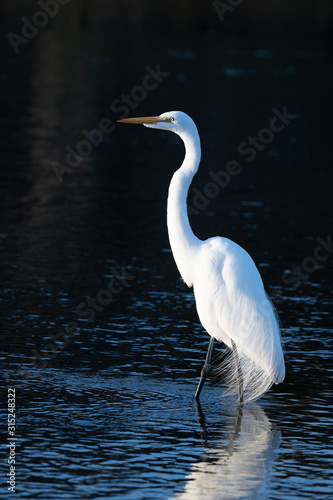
x: 141, y: 120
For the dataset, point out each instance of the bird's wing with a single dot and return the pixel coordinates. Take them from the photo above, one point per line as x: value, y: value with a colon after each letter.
x: 232, y: 305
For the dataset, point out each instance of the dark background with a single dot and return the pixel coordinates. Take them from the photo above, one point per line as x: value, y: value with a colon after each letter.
x: 228, y: 75
x: 62, y: 241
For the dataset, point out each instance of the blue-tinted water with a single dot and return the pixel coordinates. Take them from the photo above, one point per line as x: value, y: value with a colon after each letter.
x: 105, y: 380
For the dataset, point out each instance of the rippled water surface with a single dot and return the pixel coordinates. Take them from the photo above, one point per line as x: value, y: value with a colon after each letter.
x: 105, y: 381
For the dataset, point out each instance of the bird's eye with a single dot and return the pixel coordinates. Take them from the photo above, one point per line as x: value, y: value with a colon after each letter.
x: 169, y: 119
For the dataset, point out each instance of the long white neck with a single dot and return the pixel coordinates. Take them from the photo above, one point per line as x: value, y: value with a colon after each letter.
x: 184, y: 244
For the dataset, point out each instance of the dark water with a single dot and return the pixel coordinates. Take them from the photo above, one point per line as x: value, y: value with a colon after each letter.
x: 104, y: 380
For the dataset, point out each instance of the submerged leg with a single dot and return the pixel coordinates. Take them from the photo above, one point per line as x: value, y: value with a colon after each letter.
x: 206, y: 368
x: 239, y: 372
x: 202, y: 422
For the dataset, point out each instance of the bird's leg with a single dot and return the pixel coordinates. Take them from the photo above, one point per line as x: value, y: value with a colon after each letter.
x: 202, y: 423
x: 206, y: 367
x: 239, y: 372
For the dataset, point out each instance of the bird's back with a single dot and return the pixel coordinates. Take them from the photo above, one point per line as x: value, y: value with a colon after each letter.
x: 233, y: 306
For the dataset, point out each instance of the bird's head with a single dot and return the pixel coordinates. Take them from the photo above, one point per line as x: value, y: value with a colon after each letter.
x: 175, y: 121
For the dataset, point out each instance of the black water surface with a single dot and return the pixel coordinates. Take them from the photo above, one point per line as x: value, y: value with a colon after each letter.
x: 105, y: 388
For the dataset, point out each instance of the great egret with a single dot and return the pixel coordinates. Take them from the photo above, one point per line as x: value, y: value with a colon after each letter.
x: 231, y: 301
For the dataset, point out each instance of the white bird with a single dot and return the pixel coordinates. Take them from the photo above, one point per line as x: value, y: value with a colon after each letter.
x: 232, y: 304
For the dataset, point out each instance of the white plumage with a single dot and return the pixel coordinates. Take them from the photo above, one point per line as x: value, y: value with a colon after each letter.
x: 230, y: 297
x: 233, y: 306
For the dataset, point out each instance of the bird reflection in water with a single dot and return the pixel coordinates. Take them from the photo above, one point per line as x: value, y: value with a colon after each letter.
x: 238, y: 467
